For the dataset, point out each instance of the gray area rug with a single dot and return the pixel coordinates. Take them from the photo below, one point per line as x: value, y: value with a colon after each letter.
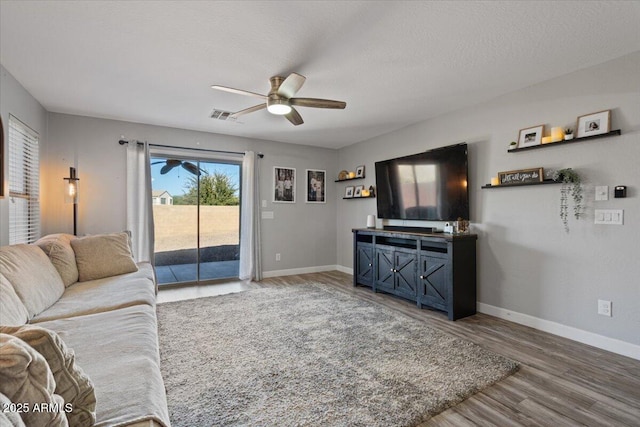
x: 311, y: 356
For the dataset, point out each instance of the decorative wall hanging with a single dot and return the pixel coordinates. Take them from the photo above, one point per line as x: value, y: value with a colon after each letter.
x: 284, y: 185
x: 316, y: 186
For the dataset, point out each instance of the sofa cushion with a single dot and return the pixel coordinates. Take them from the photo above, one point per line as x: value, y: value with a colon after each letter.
x: 34, y: 278
x: 25, y: 378
x: 58, y: 249
x: 119, y: 351
x: 72, y: 384
x: 9, y: 418
x: 12, y: 310
x: 110, y: 293
x: 103, y: 255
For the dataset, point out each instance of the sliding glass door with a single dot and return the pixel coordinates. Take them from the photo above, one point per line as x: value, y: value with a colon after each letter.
x: 196, y: 213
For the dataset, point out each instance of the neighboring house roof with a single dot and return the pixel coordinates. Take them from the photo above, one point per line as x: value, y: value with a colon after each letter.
x: 158, y: 193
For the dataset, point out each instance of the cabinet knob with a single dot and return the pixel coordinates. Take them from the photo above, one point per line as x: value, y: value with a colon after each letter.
x: 422, y: 277
x: 370, y: 265
x: 392, y: 270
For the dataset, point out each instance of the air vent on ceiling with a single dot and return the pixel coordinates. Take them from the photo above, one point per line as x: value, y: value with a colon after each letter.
x: 223, y: 115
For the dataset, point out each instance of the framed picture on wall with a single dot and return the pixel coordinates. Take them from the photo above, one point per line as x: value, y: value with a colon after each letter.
x: 316, y: 186
x: 284, y: 185
x: 594, y: 124
x: 357, y: 192
x: 360, y: 172
x: 530, y: 136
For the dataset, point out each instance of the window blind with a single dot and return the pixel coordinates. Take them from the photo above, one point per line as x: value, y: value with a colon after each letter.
x: 24, y: 183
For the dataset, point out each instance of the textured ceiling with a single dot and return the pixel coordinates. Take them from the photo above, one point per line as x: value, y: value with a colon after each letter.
x: 394, y: 63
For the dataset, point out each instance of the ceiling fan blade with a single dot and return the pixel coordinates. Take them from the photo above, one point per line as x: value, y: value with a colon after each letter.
x: 317, y: 103
x: 238, y: 91
x: 190, y: 167
x: 249, y: 110
x: 166, y: 168
x: 170, y: 164
x: 291, y: 85
x: 294, y: 117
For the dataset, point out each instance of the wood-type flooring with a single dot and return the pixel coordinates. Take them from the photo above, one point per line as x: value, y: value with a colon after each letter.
x: 560, y: 382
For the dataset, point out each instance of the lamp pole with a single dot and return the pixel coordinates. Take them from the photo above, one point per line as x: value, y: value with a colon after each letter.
x: 71, y: 196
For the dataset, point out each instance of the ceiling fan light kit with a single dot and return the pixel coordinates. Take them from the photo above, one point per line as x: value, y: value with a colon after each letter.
x: 278, y: 106
x: 279, y: 101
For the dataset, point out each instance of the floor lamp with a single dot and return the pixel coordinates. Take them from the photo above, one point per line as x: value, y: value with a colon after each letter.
x: 71, y: 195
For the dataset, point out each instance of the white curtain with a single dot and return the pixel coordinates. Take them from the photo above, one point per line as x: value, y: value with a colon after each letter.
x: 250, y: 245
x: 139, y: 201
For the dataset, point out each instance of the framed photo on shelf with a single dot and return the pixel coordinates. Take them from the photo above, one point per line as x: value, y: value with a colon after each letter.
x: 316, y: 186
x: 284, y: 185
x: 530, y: 136
x: 348, y: 192
x: 358, y: 191
x: 360, y: 172
x: 594, y: 124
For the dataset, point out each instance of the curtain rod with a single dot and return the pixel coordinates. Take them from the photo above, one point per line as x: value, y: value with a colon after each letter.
x: 123, y: 141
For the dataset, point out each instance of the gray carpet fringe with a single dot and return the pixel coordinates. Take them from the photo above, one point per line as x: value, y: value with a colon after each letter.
x: 310, y: 356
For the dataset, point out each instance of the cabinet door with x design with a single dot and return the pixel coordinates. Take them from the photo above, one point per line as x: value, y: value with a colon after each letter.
x: 364, y: 264
x: 396, y: 271
x: 433, y: 281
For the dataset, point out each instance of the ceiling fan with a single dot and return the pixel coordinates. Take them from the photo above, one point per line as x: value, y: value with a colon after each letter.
x: 173, y: 163
x: 280, y: 99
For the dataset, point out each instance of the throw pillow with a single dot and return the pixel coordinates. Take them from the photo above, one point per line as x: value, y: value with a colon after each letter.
x: 12, y: 310
x: 25, y: 378
x: 34, y: 278
x: 103, y: 255
x: 58, y: 249
x: 9, y: 416
x: 72, y: 383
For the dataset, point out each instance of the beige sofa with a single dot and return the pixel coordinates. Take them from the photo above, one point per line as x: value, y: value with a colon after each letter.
x: 109, y: 322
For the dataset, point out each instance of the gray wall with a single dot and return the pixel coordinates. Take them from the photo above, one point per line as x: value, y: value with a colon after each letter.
x: 304, y: 234
x: 526, y: 262
x: 15, y: 100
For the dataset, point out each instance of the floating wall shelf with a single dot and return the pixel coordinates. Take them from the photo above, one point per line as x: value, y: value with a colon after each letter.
x: 349, y: 179
x: 365, y: 197
x: 571, y: 141
x: 546, y: 181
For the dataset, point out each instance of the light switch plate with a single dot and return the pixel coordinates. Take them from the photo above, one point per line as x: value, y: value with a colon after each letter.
x: 602, y: 192
x: 267, y: 214
x: 609, y: 216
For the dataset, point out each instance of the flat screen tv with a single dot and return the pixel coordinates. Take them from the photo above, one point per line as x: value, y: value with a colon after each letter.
x: 431, y: 186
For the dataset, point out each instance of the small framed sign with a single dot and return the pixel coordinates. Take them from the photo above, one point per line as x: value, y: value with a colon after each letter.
x: 522, y: 176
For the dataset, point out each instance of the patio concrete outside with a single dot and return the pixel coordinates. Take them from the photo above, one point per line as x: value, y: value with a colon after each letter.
x: 176, y: 241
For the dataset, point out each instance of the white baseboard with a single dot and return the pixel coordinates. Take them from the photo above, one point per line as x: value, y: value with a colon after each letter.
x: 605, y: 343
x: 343, y: 269
x: 303, y: 270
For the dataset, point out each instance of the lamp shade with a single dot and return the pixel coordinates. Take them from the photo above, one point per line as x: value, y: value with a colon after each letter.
x: 71, y: 187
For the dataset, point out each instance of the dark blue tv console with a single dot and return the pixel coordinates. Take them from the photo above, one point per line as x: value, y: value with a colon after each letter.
x: 436, y: 271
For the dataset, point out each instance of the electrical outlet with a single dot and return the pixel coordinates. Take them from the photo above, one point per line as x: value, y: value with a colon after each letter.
x: 277, y: 257
x: 604, y: 307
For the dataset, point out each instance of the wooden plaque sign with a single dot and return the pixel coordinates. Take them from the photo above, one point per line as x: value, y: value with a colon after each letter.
x: 522, y: 176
